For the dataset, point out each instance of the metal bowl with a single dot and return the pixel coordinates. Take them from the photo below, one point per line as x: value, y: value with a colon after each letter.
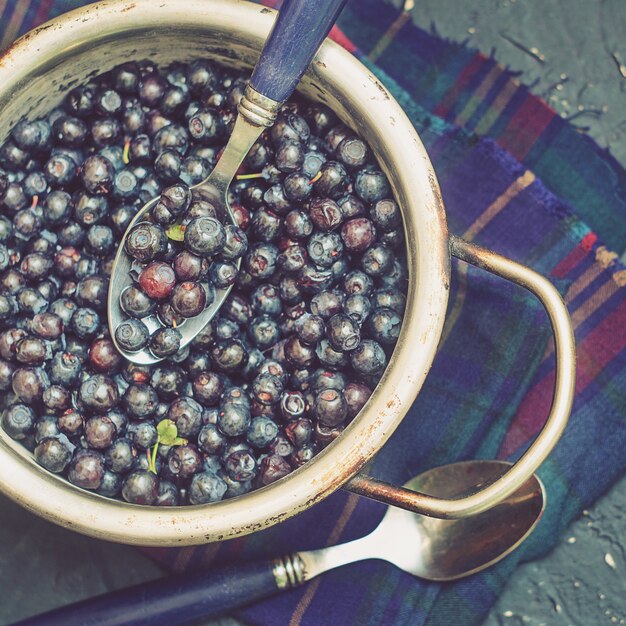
x: 34, y: 74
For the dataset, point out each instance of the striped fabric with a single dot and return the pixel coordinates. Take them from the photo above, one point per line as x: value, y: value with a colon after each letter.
x: 517, y: 178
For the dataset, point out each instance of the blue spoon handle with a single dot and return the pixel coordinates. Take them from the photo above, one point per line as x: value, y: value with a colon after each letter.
x: 169, y: 601
x: 299, y: 30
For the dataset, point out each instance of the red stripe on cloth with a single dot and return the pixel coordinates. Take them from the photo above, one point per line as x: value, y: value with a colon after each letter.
x: 337, y: 35
x: 575, y: 256
x: 452, y: 95
x: 525, y: 127
x: 594, y: 353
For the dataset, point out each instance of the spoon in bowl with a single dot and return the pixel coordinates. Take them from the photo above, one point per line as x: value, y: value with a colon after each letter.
x: 298, y: 32
x: 426, y: 547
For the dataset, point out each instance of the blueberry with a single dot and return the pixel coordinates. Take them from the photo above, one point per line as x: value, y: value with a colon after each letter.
x: 140, y: 487
x: 189, y: 266
x: 65, y: 369
x: 119, y: 456
x: 357, y: 306
x: 343, y: 332
x: 357, y: 281
x: 234, y: 419
x: 18, y: 421
x: 330, y: 407
x: 186, y: 413
x: 105, y: 131
x: 356, y: 395
x: 205, y: 126
x: 184, y: 461
x: 168, y: 494
x: 110, y: 485
x: 146, y: 242
x: 272, y: 468
x: 263, y: 332
x: 168, y: 381
x: 326, y: 303
x: 58, y: 208
x: 325, y: 248
x: 53, y: 454
x: 261, y: 432
x: 100, y: 432
x: 228, y: 356
x: 6, y: 374
x: 376, y: 261
x: 85, y: 323
x: 165, y: 342
x: 188, y: 299
x: 157, y: 280
x: 329, y: 357
x: 260, y: 260
x: 69, y: 131
x: 56, y: 398
x: 327, y: 379
x: 86, y: 469
x: 298, y: 224
x: 325, y: 214
x: 265, y: 225
x: 140, y: 400
x: 236, y: 242
x: 371, y: 185
x: 206, y: 487
x: 136, y: 303
x: 205, y: 236
x: 383, y: 325
x: 299, y: 431
x: 299, y: 354
x: 29, y: 383
x: 125, y: 185
x: 241, y: 465
x: 100, y: 240
x: 98, y: 393
x: 97, y: 174
x: 207, y: 388
x: 265, y: 299
x: 267, y: 388
x: 132, y: 335
x: 143, y: 434
x: 358, y: 234
x: 369, y: 358
x: 386, y: 214
x: 352, y: 152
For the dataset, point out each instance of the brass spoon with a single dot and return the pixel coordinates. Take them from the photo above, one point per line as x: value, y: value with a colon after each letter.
x: 300, y: 29
x: 427, y: 547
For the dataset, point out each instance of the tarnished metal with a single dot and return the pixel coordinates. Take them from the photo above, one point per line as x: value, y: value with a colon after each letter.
x: 35, y: 73
x: 441, y: 549
x: 556, y: 421
x: 288, y: 571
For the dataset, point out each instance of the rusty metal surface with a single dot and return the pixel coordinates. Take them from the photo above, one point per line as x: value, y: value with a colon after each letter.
x: 35, y: 72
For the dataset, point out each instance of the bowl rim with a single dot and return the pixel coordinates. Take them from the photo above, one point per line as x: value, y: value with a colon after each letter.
x: 389, y: 132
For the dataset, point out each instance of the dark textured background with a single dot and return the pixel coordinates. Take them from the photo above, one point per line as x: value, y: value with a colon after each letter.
x: 573, y: 54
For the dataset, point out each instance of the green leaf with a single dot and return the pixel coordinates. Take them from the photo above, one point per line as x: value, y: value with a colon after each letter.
x: 168, y: 434
x: 176, y: 232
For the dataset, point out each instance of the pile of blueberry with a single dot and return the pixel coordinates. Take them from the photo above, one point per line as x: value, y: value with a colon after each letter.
x: 295, y: 351
x: 177, y: 276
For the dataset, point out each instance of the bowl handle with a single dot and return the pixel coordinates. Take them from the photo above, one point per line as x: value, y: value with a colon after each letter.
x: 563, y: 396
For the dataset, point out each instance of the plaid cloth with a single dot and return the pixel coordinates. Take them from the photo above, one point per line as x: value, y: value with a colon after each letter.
x: 518, y: 179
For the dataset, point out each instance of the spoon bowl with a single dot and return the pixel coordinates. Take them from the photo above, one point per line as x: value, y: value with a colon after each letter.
x: 214, y: 189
